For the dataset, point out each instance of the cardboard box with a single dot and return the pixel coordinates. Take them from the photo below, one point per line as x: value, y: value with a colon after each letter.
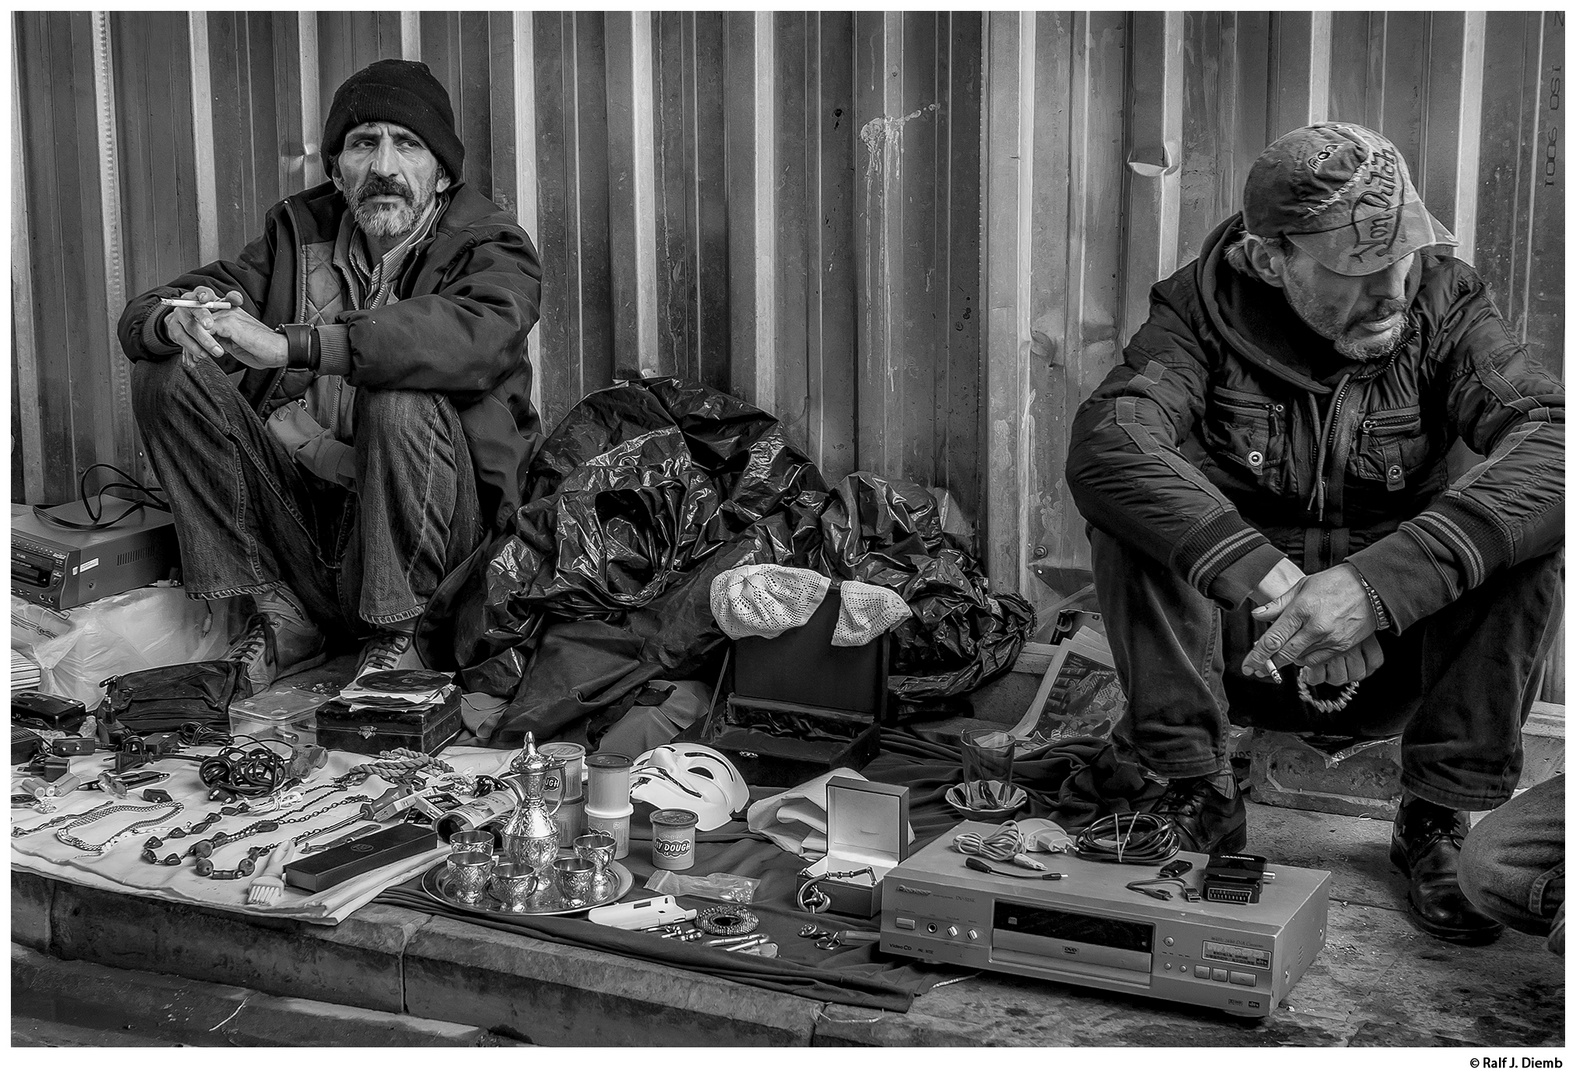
x: 866, y: 827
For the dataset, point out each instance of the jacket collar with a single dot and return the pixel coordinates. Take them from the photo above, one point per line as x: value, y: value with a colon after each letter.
x: 1259, y: 325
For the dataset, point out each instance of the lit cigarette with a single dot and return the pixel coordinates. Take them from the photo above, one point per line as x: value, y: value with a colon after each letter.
x: 211, y: 305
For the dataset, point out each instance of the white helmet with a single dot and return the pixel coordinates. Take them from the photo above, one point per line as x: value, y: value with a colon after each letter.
x: 688, y: 776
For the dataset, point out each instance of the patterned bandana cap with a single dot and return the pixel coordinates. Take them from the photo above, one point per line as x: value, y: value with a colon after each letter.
x: 1343, y: 195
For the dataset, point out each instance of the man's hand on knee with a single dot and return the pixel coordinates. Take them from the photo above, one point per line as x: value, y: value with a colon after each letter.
x: 1323, y: 616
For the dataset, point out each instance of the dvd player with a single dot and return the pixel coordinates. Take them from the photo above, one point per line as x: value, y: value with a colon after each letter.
x: 1091, y: 930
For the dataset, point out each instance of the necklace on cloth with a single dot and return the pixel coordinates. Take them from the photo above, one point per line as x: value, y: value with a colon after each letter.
x: 164, y: 811
x: 204, y: 867
x: 204, y: 849
x: 18, y: 832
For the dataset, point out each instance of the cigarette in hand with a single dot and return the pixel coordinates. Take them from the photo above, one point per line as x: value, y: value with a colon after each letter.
x: 211, y: 305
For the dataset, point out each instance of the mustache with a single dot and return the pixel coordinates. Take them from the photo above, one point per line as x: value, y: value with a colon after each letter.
x: 384, y: 185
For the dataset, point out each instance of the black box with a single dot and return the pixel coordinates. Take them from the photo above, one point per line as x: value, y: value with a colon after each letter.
x: 801, y: 706
x: 345, y: 861
x: 371, y: 731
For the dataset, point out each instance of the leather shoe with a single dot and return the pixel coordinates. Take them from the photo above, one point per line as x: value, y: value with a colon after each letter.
x: 1205, y: 820
x: 1425, y: 845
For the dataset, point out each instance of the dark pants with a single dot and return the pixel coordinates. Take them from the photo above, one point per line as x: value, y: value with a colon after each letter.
x: 1457, y: 686
x: 248, y: 518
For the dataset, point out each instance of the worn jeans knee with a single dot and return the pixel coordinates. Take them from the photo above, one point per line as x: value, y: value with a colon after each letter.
x: 417, y: 497
x: 1513, y: 861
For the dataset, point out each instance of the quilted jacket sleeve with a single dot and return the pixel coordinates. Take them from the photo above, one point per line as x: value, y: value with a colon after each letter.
x: 1511, y: 506
x: 1129, y: 477
x: 461, y: 338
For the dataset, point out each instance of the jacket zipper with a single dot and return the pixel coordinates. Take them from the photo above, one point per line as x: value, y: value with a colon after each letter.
x: 1340, y: 399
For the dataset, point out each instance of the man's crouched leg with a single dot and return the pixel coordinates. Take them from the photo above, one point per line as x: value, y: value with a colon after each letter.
x: 417, y: 518
x: 1166, y: 642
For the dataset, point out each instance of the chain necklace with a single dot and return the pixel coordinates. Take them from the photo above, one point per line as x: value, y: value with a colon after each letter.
x: 204, y: 866
x: 204, y: 849
x: 153, y: 843
x: 65, y: 837
x: 16, y: 832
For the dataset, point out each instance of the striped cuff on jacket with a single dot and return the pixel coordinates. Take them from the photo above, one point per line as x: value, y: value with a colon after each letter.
x: 1215, y: 546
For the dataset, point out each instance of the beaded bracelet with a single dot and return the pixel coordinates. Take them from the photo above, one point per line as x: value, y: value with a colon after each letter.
x: 1325, y: 705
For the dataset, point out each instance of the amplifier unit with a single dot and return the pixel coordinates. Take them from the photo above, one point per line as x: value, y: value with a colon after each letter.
x: 64, y: 568
x: 1090, y: 929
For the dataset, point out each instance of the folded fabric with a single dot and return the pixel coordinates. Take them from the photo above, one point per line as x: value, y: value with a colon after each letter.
x: 867, y: 612
x: 795, y: 820
x: 765, y: 600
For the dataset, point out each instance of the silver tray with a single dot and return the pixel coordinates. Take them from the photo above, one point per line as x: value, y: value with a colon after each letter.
x: 547, y: 902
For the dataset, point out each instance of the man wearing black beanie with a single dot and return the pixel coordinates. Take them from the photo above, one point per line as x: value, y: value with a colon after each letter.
x: 381, y: 422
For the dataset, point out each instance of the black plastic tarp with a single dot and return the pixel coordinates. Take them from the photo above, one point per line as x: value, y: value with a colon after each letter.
x: 638, y: 499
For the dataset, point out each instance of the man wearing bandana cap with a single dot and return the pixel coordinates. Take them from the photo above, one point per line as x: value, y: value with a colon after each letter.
x: 345, y: 434
x: 1276, y: 538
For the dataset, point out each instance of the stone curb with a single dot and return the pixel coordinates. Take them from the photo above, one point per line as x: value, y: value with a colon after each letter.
x: 132, y: 1004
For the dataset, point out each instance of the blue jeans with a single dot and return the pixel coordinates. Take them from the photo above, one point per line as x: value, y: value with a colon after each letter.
x: 1457, y: 686
x: 1513, y: 863
x: 248, y: 518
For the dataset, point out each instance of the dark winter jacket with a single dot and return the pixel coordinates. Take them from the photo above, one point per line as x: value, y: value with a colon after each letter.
x: 1232, y: 435
x: 470, y: 296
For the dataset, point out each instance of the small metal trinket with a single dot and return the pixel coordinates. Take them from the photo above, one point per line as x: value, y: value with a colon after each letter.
x: 809, y: 929
x: 727, y: 919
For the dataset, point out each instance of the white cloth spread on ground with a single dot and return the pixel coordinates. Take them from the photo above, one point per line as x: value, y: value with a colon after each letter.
x: 122, y: 869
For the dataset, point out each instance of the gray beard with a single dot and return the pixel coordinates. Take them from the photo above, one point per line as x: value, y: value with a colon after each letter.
x: 387, y: 221
x: 1370, y: 348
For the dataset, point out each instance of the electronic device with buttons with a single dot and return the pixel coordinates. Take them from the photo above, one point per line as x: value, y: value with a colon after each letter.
x: 63, y: 568
x: 1090, y: 929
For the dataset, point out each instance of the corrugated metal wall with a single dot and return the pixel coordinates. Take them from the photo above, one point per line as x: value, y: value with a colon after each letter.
x: 920, y: 238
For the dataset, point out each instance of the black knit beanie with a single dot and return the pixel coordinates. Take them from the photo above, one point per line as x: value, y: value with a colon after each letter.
x: 395, y: 92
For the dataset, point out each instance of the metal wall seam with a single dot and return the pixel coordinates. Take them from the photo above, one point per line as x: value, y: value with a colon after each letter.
x: 526, y: 174
x: 122, y: 428
x: 24, y: 340
x: 202, y: 135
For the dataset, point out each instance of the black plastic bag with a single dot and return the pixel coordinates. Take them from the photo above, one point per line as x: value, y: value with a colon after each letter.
x: 638, y: 499
x: 889, y: 533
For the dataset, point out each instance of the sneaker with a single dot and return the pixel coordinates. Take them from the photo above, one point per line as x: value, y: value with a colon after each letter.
x: 1206, y: 821
x: 390, y: 649
x: 279, y: 640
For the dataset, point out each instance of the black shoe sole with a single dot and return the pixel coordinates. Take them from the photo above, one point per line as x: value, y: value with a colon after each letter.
x: 1482, y: 935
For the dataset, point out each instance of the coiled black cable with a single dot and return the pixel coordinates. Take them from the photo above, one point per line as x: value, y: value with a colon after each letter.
x: 1128, y: 838
x: 246, y: 773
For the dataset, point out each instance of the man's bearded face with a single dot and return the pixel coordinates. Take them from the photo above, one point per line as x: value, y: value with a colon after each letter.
x: 1364, y: 317
x: 389, y: 178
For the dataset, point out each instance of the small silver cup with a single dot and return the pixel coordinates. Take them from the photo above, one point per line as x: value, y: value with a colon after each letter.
x: 513, y: 883
x: 472, y: 840
x: 575, y: 877
x: 597, y: 848
x: 469, y: 872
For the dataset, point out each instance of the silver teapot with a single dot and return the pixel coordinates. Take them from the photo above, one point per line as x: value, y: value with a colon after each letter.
x: 529, y: 834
